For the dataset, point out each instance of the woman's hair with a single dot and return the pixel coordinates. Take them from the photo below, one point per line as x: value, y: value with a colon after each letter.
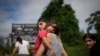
x: 55, y: 26
x: 19, y: 39
x: 91, y: 36
x: 56, y: 30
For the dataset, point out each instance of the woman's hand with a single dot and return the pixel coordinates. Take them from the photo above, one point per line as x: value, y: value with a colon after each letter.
x: 52, y: 52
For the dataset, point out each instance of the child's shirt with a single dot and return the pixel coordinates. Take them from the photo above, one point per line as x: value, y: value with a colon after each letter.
x: 41, y: 34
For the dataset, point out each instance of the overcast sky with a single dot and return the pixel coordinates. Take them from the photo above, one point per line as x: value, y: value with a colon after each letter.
x: 28, y: 11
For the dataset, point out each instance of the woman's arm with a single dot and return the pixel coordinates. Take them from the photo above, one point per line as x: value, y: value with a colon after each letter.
x: 64, y: 53
x: 28, y: 46
x: 15, y: 49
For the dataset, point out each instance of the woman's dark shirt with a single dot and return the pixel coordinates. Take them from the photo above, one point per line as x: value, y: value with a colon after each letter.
x: 95, y: 50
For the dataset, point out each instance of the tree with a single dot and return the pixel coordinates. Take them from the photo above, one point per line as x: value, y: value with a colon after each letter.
x: 64, y: 15
x: 94, y: 21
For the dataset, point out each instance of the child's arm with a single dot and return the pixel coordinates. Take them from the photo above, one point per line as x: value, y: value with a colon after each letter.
x: 40, y: 50
x: 46, y: 42
x: 42, y: 47
x: 43, y: 35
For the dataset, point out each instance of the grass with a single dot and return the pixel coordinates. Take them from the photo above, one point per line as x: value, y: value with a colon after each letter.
x: 9, y: 49
x: 78, y: 50
x: 3, y: 49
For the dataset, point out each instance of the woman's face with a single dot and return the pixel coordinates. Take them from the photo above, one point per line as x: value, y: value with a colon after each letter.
x: 50, y: 28
x: 89, y: 43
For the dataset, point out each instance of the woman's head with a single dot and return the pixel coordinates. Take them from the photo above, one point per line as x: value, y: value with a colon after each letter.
x: 42, y: 24
x: 49, y: 27
x: 56, y: 27
x: 89, y: 40
x: 53, y: 23
x: 19, y: 39
x: 53, y: 27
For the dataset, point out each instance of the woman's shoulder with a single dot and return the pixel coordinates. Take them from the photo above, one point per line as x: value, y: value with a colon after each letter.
x: 17, y: 42
x: 49, y: 33
x: 24, y: 41
x: 96, y: 47
x: 95, y: 51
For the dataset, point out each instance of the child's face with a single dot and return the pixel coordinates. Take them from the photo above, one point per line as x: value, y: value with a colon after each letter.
x: 89, y: 43
x: 42, y: 25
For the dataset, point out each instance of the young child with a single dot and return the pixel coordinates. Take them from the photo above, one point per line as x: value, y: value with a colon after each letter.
x: 6, y: 53
x: 41, y: 37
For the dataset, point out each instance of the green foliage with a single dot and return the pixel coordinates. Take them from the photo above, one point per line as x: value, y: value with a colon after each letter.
x: 94, y: 21
x: 64, y: 15
x: 78, y: 50
x: 9, y: 49
x: 3, y: 49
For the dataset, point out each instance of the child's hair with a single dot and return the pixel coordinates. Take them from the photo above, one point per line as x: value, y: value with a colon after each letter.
x: 41, y: 20
x: 19, y: 39
x: 91, y: 36
x: 6, y: 52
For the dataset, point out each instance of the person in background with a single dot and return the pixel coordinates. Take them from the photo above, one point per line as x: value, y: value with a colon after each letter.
x: 91, y: 43
x: 42, y: 37
x: 22, y: 46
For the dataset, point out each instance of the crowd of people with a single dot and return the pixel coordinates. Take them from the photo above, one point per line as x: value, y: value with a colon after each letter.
x: 48, y: 42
